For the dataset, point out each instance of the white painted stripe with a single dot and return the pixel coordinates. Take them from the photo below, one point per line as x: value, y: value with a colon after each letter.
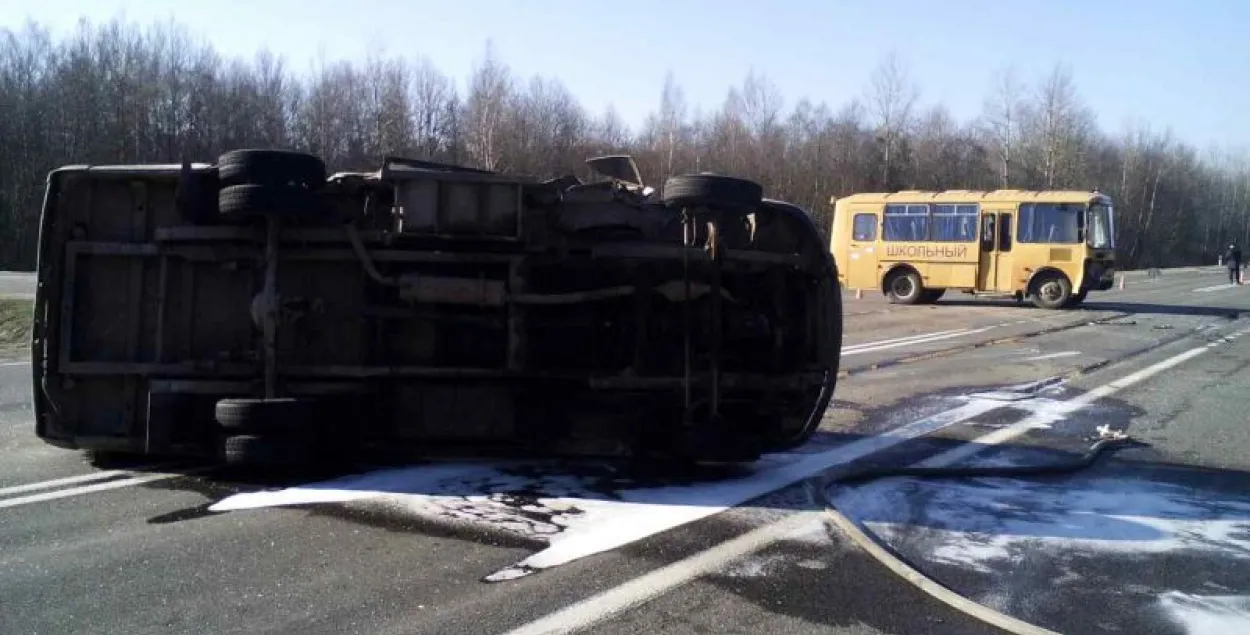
x: 1065, y: 408
x: 24, y: 363
x: 1053, y: 356
x: 91, y: 489
x: 1216, y: 287
x: 616, y: 600
x: 638, y: 591
x: 925, y: 340
x: 909, y: 338
x: 59, y: 482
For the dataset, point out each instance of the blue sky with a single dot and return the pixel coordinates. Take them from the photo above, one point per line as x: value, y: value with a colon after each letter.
x: 1173, y: 63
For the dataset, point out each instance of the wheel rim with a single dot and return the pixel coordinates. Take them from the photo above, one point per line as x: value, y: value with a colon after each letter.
x: 1051, y: 291
x: 903, y: 286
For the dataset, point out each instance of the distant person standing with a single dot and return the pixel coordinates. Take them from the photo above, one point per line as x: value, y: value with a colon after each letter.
x: 1232, y: 260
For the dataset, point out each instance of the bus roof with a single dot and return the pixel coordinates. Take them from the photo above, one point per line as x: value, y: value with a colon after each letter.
x: 971, y: 196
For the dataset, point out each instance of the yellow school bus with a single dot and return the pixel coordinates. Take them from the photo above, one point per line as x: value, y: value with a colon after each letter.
x: 1050, y: 247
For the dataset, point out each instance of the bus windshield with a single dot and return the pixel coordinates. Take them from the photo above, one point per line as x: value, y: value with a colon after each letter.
x: 1098, y: 226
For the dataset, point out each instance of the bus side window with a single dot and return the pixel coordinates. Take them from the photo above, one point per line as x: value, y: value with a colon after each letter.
x: 987, y: 232
x: 865, y: 228
x: 1004, y: 235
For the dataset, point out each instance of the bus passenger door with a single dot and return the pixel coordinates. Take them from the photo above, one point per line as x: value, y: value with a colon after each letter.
x: 987, y: 267
x: 1002, y: 259
x: 861, y: 266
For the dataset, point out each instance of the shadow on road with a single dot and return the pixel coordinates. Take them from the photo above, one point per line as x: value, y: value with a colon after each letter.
x: 1150, y: 308
x: 1155, y: 308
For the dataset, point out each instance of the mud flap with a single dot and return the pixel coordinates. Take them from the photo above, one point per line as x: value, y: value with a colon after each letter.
x: 178, y: 422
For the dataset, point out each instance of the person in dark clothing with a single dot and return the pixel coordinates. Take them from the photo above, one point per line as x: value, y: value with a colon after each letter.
x: 1232, y: 260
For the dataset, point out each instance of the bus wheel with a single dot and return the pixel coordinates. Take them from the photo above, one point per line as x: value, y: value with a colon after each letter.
x: 904, y: 287
x: 1051, y: 291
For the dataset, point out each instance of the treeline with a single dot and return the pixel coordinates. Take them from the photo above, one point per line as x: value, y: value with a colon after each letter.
x: 121, y: 92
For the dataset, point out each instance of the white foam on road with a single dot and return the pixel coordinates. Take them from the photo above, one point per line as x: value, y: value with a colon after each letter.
x: 995, y: 526
x: 579, y: 514
x: 1208, y: 614
x: 986, y: 524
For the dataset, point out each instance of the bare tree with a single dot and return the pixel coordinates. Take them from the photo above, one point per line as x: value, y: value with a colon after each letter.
x: 891, y: 98
x: 1059, y: 124
x: 433, y: 106
x: 486, y: 111
x: 670, y: 124
x: 761, y: 114
x: 609, y: 133
x: 1001, y: 121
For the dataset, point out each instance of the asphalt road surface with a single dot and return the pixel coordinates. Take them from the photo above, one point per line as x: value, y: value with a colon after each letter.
x: 17, y: 284
x: 1153, y: 539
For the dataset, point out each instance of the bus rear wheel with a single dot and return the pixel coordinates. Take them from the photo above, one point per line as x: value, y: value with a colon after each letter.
x: 904, y: 287
x: 1051, y: 291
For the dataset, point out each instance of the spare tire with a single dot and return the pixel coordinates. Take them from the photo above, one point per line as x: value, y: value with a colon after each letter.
x: 712, y: 190
x: 250, y: 451
x: 271, y: 167
x: 268, y: 416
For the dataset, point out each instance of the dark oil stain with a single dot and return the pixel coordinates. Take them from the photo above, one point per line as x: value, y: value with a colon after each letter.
x: 389, y: 520
x: 1000, y: 418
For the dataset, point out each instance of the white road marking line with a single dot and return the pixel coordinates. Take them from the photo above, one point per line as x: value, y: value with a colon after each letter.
x: 1053, y: 356
x: 638, y: 591
x: 23, y: 363
x: 616, y: 600
x: 1216, y: 287
x: 851, y: 347
x: 90, y: 489
x: 1069, y: 406
x: 924, y: 339
x: 69, y: 480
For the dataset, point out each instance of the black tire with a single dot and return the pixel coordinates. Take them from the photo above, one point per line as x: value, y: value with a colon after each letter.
x: 271, y: 167
x: 712, y: 190
x: 256, y: 200
x: 932, y: 295
x: 253, y: 451
x: 1051, y: 291
x: 281, y: 416
x: 904, y: 287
